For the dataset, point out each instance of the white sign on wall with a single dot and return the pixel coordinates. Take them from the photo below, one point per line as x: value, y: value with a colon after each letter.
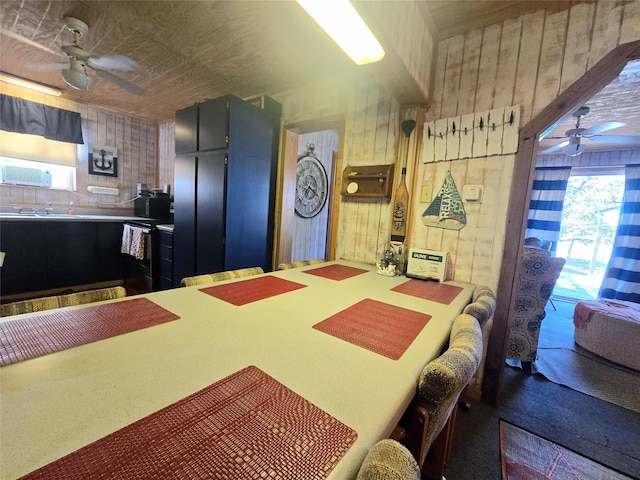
x: 480, y: 134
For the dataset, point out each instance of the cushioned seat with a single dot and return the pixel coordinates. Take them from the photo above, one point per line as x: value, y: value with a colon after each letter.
x: 57, y: 301
x: 220, y: 276
x: 388, y: 460
x: 427, y: 426
x: 301, y: 263
x: 482, y: 306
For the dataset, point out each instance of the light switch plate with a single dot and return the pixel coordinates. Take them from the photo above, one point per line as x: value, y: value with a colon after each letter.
x: 425, y: 193
x: 472, y: 193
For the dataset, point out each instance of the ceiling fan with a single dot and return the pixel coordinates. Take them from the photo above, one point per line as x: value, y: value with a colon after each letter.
x: 76, y: 75
x: 574, y: 146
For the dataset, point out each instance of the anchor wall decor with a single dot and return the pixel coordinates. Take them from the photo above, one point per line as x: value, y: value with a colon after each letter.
x: 103, y: 160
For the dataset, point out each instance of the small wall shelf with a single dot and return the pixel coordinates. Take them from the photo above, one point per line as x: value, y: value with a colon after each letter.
x: 368, y: 181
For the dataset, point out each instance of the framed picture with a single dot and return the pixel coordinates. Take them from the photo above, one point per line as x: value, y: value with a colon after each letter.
x: 103, y: 160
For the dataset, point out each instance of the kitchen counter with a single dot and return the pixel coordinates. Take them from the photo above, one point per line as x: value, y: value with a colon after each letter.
x: 165, y: 227
x: 58, y: 217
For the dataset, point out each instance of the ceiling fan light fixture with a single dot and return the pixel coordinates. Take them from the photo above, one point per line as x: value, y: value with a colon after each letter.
x: 573, y: 149
x: 77, y: 78
x: 340, y: 20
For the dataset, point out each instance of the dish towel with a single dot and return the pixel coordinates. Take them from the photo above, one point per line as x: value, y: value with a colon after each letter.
x: 133, y: 242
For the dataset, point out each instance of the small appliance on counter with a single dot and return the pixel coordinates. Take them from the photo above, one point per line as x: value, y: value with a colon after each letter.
x: 155, y: 204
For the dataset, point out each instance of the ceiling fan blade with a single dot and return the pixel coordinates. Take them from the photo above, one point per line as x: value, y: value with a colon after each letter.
x: 555, y: 148
x: 630, y: 140
x: 28, y: 41
x: 129, y: 87
x: 46, y: 66
x: 115, y: 62
x: 602, y: 127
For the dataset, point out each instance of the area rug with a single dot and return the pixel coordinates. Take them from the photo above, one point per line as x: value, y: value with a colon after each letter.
x: 525, y: 456
x: 562, y: 361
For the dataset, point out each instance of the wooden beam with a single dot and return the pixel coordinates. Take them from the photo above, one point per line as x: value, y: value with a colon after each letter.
x: 584, y: 88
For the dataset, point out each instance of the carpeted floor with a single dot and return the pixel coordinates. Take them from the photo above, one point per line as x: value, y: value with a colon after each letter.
x: 599, y: 430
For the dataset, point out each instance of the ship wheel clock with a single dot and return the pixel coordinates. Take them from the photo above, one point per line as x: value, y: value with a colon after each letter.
x: 311, y: 184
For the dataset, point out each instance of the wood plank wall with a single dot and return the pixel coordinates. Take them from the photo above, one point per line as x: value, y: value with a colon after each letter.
x: 526, y: 61
x: 135, y: 139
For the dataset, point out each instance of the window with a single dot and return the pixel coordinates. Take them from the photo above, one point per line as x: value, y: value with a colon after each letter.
x: 589, y: 221
x: 62, y: 176
x: 19, y: 150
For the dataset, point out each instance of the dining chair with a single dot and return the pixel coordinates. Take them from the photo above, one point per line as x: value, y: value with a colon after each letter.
x: 482, y: 306
x: 427, y: 426
x: 220, y: 276
x: 389, y: 460
x: 58, y: 301
x: 301, y: 263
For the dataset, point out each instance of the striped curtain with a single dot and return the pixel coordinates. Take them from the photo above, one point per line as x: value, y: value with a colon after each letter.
x: 547, y: 200
x: 622, y: 279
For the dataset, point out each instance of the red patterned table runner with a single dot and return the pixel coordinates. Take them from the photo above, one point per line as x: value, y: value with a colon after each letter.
x: 434, y: 291
x: 336, y: 272
x: 252, y: 290
x: 246, y: 426
x: 379, y: 327
x: 39, y: 335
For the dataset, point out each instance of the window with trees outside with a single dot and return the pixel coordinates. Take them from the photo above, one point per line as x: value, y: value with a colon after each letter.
x: 589, y: 221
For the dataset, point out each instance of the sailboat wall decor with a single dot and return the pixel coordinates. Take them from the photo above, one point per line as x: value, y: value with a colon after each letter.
x: 446, y: 210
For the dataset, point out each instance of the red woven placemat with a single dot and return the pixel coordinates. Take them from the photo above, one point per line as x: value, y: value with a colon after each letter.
x: 35, y: 336
x: 246, y: 426
x: 252, y: 290
x: 376, y: 326
x: 434, y: 291
x: 336, y: 272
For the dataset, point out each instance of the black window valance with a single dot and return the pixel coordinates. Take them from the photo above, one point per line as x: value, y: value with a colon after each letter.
x: 22, y: 116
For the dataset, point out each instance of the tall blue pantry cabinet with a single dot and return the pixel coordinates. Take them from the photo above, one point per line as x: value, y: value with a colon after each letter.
x: 224, y: 188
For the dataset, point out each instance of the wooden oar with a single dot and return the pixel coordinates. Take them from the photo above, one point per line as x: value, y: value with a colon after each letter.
x: 401, y: 197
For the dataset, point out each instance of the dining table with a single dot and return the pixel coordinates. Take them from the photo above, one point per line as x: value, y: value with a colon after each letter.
x: 288, y: 374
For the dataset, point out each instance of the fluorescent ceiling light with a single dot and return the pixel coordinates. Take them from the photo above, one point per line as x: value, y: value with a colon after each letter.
x: 23, y: 82
x: 343, y: 24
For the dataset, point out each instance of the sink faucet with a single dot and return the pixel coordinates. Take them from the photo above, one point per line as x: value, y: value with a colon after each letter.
x: 42, y: 208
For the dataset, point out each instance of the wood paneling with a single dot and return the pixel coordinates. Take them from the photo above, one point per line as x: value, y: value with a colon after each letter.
x: 529, y: 61
x: 135, y: 139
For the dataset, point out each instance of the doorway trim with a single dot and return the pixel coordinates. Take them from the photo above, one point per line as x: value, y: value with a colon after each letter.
x: 287, y: 180
x: 579, y: 92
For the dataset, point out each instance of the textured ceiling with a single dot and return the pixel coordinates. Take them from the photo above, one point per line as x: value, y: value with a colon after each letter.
x: 188, y: 51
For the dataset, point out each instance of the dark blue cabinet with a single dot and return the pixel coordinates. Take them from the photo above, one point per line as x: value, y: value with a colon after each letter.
x: 225, y: 190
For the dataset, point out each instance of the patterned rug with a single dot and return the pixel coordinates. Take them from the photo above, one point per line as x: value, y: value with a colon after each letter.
x: 525, y: 456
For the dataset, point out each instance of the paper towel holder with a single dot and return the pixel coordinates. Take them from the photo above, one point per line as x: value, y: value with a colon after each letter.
x: 103, y: 190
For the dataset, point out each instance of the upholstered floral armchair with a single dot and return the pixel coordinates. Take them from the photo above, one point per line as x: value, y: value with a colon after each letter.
x: 539, y: 273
